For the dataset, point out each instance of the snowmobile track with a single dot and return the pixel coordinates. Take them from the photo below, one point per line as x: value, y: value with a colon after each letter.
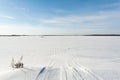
x: 90, y: 72
x: 43, y: 73
x: 78, y: 73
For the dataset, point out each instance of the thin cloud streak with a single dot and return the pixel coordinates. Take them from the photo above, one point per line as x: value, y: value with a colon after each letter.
x: 73, y: 19
x: 100, y: 19
x: 7, y: 17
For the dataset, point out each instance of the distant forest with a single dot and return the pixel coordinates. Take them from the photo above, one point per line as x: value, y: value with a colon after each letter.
x: 63, y: 35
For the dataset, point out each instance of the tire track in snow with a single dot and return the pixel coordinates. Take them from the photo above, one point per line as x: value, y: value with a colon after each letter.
x: 50, y: 66
x: 72, y: 71
x: 90, y: 72
x: 65, y: 73
x: 66, y: 77
x: 43, y: 73
x: 78, y: 73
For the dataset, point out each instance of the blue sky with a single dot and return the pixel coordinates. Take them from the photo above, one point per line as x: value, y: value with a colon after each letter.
x: 59, y: 16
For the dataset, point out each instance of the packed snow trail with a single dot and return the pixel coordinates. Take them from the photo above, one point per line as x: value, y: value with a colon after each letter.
x: 69, y: 72
x: 51, y: 73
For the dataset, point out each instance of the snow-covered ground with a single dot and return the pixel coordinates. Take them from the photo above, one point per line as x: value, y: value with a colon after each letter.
x: 61, y: 58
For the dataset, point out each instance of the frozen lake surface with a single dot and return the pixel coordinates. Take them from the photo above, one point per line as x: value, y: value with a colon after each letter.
x: 61, y: 57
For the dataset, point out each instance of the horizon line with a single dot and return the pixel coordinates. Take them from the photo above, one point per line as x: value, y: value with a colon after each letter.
x: 61, y: 35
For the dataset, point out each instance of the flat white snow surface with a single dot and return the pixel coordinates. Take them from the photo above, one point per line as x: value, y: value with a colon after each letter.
x: 61, y: 58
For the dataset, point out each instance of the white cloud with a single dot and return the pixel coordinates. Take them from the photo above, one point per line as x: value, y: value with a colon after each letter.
x: 101, y: 19
x: 84, y: 24
x: 7, y: 17
x: 73, y: 19
x: 81, y: 21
